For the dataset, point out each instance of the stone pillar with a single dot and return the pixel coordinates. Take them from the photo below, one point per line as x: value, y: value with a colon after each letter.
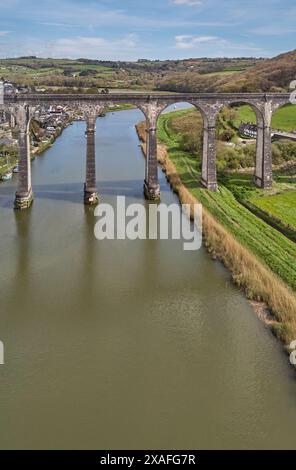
x: 1, y: 92
x: 209, y: 172
x: 263, y: 169
x: 151, y: 183
x: 24, y: 194
x: 90, y: 187
x: 12, y: 121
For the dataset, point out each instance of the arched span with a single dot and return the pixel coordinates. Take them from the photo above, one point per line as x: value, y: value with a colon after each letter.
x: 9, y: 115
x: 207, y: 144
x: 187, y: 104
x: 260, y: 136
x: 91, y: 194
x: 255, y: 108
x: 283, y: 125
x: 284, y: 113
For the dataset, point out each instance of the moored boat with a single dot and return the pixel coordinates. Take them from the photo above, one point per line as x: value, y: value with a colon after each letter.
x: 6, y: 176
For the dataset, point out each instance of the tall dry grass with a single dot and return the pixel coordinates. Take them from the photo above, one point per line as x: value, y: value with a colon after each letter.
x: 248, y: 273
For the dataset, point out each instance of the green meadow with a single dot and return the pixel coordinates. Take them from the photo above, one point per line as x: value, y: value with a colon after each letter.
x: 284, y: 118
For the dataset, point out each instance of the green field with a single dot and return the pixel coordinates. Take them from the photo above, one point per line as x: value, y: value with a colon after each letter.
x: 269, y: 245
x: 282, y: 206
x: 283, y: 119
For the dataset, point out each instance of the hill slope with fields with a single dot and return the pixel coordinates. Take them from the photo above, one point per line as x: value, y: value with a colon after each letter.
x: 270, y: 75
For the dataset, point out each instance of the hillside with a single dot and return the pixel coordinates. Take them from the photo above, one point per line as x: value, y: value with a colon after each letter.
x: 271, y: 75
x: 90, y: 75
x: 274, y: 75
x: 190, y: 75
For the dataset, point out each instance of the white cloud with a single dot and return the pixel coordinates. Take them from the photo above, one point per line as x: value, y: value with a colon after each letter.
x: 187, y: 41
x: 59, y: 25
x: 189, y: 3
x: 4, y: 33
x: 213, y: 46
x: 92, y: 47
x: 67, y: 13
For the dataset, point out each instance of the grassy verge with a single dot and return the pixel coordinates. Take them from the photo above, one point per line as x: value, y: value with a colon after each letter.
x: 275, y: 206
x: 282, y: 206
x: 261, y: 259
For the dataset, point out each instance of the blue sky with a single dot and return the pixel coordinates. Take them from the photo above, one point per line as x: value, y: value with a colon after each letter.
x: 156, y: 29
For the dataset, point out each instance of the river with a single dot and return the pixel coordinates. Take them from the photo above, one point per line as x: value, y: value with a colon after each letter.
x: 125, y: 344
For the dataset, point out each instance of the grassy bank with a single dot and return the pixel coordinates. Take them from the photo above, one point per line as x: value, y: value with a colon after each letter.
x: 275, y: 206
x: 261, y: 259
x: 281, y: 206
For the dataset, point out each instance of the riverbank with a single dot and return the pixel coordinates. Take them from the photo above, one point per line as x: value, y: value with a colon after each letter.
x: 8, y: 167
x: 44, y: 145
x: 35, y: 151
x: 246, y: 245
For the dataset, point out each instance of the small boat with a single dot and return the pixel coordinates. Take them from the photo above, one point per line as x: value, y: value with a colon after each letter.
x: 7, y: 176
x: 16, y: 169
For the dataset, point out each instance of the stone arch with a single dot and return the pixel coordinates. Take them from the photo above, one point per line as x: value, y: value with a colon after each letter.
x: 276, y: 104
x: 259, y: 112
x: 208, y: 118
x: 90, y: 112
x: 8, y: 115
x: 240, y: 102
x: 277, y: 133
x: 275, y: 107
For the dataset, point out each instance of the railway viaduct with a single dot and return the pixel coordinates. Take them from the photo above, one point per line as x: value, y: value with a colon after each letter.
x: 22, y: 106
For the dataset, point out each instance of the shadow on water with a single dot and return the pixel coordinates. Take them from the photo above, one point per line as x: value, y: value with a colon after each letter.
x: 73, y: 192
x: 24, y: 227
x: 88, y: 266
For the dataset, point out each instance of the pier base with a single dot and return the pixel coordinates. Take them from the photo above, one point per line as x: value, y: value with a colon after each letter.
x: 263, y: 184
x: 91, y: 197
x: 23, y: 201
x: 210, y: 186
x: 152, y: 193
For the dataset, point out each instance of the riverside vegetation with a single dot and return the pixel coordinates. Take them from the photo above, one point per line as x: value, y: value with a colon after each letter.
x: 259, y: 251
x: 10, y: 153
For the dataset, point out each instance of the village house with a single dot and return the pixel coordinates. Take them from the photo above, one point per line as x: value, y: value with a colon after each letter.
x: 248, y: 130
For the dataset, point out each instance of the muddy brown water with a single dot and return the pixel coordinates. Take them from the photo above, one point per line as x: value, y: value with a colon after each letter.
x: 124, y: 344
